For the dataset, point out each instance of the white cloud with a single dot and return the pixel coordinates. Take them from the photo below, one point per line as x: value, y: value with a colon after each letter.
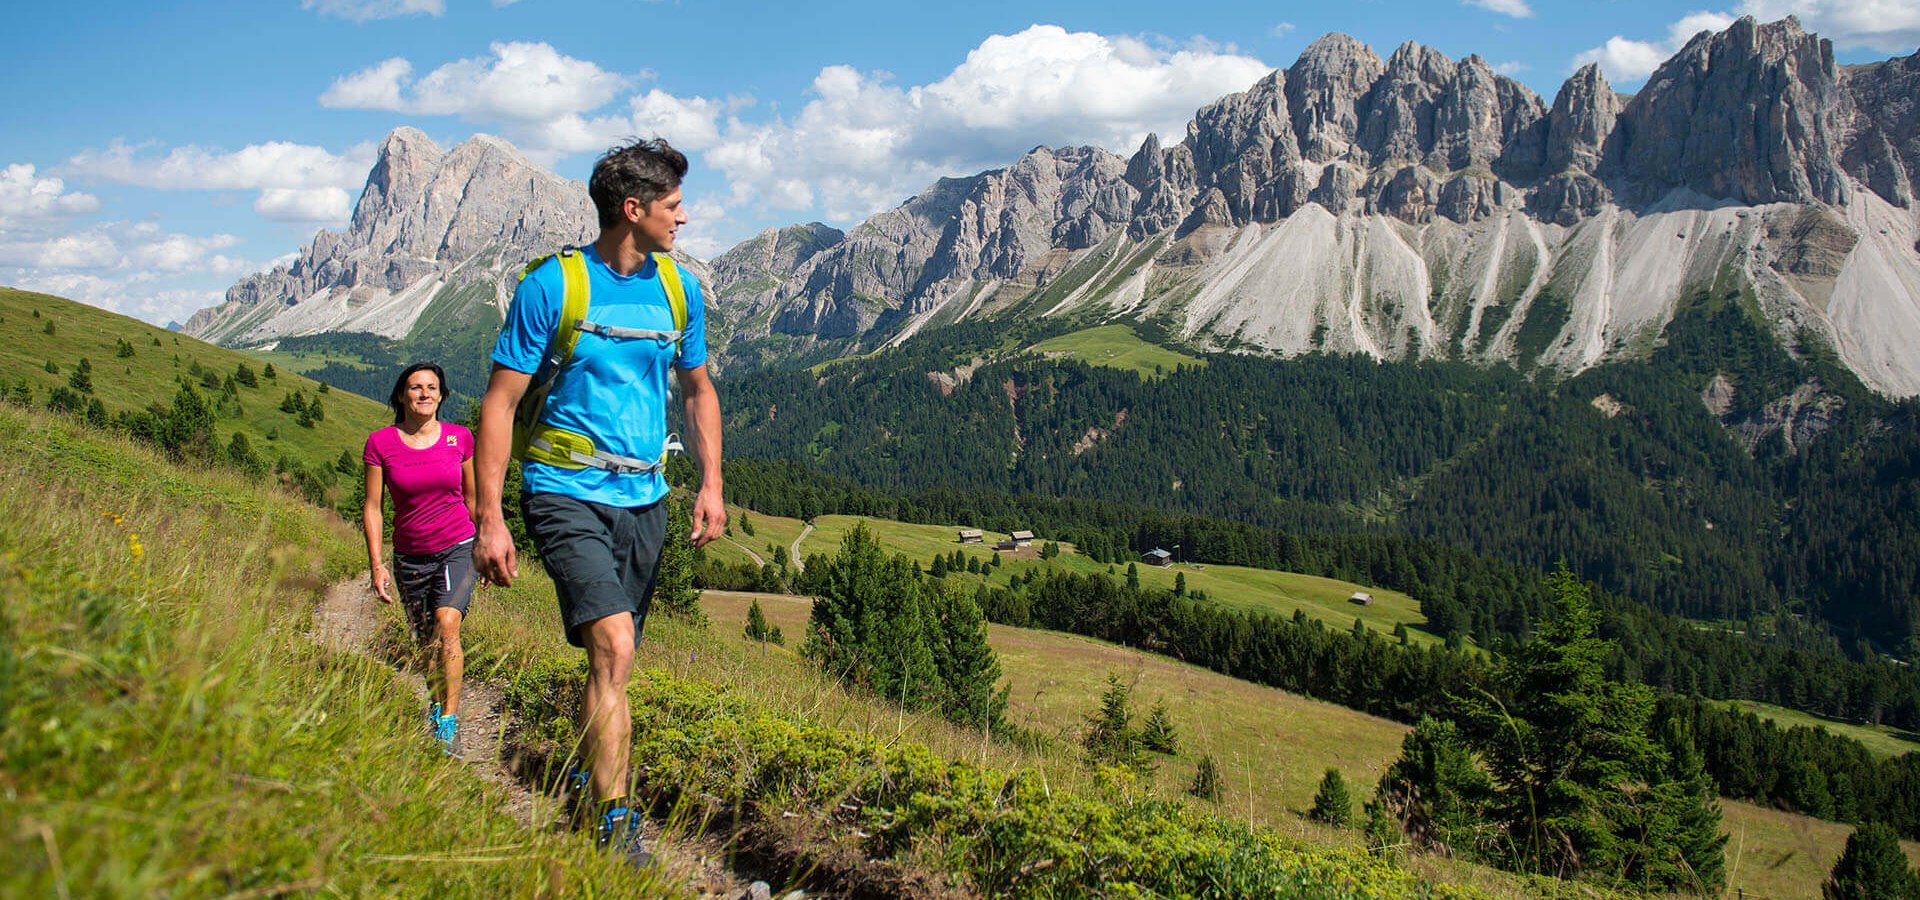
x: 276, y: 164
x: 1626, y: 61
x: 863, y: 143
x: 181, y: 253
x: 138, y: 269
x: 1889, y: 26
x: 374, y: 87
x: 689, y: 124
x: 1515, y: 8
x: 368, y: 10
x: 520, y: 83
x: 324, y: 205
x: 1281, y: 30
x: 1510, y: 68
x: 25, y: 196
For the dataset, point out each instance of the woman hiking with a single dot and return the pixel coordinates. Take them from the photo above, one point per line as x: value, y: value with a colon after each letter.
x: 427, y: 465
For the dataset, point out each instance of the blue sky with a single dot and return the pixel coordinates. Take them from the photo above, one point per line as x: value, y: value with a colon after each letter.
x: 151, y: 153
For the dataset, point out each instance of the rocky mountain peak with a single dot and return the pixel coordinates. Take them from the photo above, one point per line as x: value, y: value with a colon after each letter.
x: 1582, y: 117
x: 407, y: 159
x: 1324, y: 89
x: 1754, y: 113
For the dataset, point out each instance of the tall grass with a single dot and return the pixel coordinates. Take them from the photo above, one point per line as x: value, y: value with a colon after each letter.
x: 167, y: 726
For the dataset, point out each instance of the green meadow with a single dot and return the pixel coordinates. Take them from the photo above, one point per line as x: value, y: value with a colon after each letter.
x: 1118, y: 347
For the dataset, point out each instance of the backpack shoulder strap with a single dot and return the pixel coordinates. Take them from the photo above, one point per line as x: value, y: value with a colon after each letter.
x: 573, y: 306
x: 676, y: 291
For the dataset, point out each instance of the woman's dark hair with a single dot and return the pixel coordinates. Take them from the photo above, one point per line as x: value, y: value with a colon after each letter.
x: 398, y: 399
x: 643, y: 170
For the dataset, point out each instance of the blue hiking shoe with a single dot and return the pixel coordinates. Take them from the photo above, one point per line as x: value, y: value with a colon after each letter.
x: 446, y: 730
x: 433, y: 715
x: 619, y: 835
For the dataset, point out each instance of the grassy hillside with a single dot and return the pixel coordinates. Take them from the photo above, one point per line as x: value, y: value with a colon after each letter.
x: 168, y: 728
x: 1118, y: 347
x: 1238, y: 587
x: 1880, y: 740
x: 1271, y: 745
x: 159, y: 358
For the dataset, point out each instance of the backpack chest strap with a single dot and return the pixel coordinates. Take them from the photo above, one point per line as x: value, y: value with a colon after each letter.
x: 617, y: 332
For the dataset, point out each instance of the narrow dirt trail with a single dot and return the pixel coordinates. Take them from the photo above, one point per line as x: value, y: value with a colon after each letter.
x: 793, y: 555
x: 747, y: 550
x: 349, y: 619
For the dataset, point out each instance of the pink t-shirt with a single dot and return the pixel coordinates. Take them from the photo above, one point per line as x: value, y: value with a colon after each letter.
x: 429, y: 510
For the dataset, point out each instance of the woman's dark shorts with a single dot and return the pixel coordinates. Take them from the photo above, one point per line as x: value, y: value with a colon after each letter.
x: 433, y: 581
x: 602, y: 558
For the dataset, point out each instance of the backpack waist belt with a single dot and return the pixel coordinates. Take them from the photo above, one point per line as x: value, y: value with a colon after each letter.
x: 558, y: 447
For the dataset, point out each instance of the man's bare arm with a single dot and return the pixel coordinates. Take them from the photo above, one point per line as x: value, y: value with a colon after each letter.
x: 493, y: 552
x: 709, y: 512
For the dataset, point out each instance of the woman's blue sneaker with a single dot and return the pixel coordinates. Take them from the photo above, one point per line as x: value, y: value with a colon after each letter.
x: 446, y: 730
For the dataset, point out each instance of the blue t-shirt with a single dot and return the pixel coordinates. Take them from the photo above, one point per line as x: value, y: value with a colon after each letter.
x: 614, y: 391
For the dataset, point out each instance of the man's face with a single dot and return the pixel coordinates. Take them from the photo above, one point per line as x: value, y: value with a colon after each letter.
x: 657, y: 222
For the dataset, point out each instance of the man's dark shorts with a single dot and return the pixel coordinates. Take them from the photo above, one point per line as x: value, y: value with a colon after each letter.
x: 433, y: 581
x: 602, y: 558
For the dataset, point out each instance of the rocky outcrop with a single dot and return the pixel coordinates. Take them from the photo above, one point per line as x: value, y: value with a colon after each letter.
x: 1753, y: 114
x: 961, y: 233
x: 1884, y: 149
x: 425, y: 221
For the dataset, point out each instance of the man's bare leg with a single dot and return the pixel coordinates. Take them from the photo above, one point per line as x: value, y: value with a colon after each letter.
x: 453, y: 659
x: 609, y: 721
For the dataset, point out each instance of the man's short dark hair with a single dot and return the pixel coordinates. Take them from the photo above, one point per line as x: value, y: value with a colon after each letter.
x: 644, y: 170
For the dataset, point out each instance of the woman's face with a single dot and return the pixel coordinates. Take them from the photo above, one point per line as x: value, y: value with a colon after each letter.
x: 423, y: 394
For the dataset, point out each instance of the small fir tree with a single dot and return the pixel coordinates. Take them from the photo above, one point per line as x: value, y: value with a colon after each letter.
x: 673, y: 589
x: 1110, y: 737
x: 1332, y: 805
x: 1871, y: 868
x: 81, y: 378
x: 757, y: 623
x: 1206, y: 780
x: 1158, y: 733
x: 269, y: 371
x: 1133, y: 576
x: 746, y: 524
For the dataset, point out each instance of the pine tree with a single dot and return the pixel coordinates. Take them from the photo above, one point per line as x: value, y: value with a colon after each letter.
x: 1158, y: 733
x: 1382, y: 834
x: 969, y: 669
x: 1110, y: 737
x: 1871, y: 868
x: 1680, y: 822
x: 1332, y: 805
x: 939, y: 569
x: 81, y: 379
x: 1133, y: 576
x: 1572, y: 753
x: 269, y: 371
x: 756, y: 622
x: 1435, y: 790
x: 673, y: 587
x: 1206, y: 780
x: 746, y: 524
x: 1179, y: 584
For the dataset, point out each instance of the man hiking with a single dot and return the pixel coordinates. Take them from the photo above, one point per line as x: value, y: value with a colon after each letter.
x: 588, y: 344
